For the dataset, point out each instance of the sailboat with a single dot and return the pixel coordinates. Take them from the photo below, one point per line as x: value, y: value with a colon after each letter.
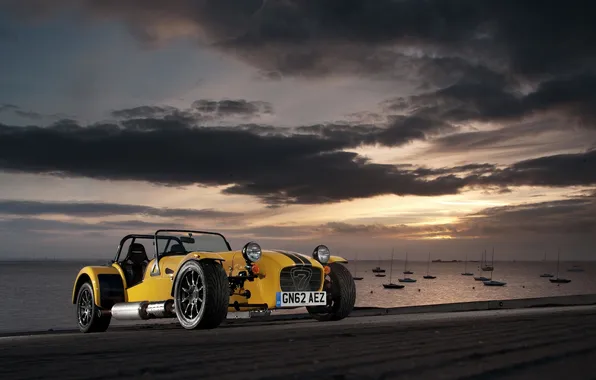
x: 482, y: 278
x: 558, y: 280
x: 391, y: 285
x: 492, y: 282
x: 378, y: 269
x: 406, y: 279
x: 545, y: 274
x: 428, y: 276
x: 466, y: 273
x: 406, y: 270
x: 489, y: 268
x: 356, y: 278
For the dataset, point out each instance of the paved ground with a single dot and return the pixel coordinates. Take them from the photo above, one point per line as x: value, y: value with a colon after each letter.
x: 508, y: 344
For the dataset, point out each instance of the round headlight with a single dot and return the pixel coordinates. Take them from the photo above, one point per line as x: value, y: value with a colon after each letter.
x: 321, y: 254
x: 252, y: 252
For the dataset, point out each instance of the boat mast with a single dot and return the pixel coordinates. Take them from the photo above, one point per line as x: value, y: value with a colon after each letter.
x: 428, y: 264
x: 391, y: 267
x: 558, y: 260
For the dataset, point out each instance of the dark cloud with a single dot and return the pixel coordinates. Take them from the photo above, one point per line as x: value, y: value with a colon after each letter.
x: 143, y: 112
x: 8, y: 107
x: 65, y: 227
x: 232, y: 107
x: 472, y: 60
x: 527, y: 37
x: 280, y: 166
x: 533, y: 227
x: 573, y: 169
x: 516, y: 136
x: 99, y: 209
x: 200, y: 111
x: 29, y: 114
x: 575, y: 216
x: 484, y: 101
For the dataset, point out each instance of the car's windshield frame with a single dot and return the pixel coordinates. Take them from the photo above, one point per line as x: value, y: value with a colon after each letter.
x: 155, y: 271
x: 175, y: 235
x: 150, y: 238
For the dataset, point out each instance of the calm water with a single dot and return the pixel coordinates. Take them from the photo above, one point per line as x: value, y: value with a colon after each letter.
x: 36, y: 295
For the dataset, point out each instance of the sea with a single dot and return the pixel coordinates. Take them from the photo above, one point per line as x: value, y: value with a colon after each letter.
x: 36, y: 296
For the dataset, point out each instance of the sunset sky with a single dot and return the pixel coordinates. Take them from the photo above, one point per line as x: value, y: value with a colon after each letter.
x: 442, y: 126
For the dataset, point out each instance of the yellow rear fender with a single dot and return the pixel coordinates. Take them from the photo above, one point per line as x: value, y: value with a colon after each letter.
x: 337, y: 259
x: 107, y: 284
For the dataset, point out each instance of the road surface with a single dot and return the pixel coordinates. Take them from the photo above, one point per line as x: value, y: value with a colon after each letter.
x: 506, y: 344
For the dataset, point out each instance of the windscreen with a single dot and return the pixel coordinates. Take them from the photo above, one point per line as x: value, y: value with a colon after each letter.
x: 184, y: 242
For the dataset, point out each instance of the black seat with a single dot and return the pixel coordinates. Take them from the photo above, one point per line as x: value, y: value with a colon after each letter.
x: 177, y: 248
x: 135, y: 264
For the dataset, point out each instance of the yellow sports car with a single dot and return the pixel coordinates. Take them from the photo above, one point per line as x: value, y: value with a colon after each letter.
x: 196, y: 277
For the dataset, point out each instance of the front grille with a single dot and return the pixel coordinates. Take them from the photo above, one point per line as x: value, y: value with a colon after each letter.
x: 300, y: 278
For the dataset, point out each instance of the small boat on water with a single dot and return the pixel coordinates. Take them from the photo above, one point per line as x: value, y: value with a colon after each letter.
x: 407, y: 279
x: 406, y: 270
x: 490, y: 281
x: 558, y: 280
x: 391, y: 285
x: 428, y: 275
x: 545, y: 274
x: 466, y: 273
x: 355, y: 277
x: 380, y: 275
x: 575, y: 268
x: 485, y: 266
x: 378, y: 269
x: 494, y: 283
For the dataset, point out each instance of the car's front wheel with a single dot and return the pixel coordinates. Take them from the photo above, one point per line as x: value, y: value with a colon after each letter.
x: 341, y: 290
x: 89, y: 318
x: 201, y: 294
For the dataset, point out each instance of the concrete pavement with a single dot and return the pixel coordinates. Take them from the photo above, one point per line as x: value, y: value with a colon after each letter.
x: 546, y: 343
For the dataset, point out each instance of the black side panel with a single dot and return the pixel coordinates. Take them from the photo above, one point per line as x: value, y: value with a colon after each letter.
x: 111, y: 290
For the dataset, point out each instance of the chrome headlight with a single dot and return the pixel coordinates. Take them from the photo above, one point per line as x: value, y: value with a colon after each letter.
x: 321, y: 254
x: 251, y: 252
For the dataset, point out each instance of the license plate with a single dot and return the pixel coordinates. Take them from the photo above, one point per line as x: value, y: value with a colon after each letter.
x: 301, y: 299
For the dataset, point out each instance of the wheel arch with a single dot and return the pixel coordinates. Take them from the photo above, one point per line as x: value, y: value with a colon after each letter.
x: 81, y: 279
x: 196, y: 259
x: 106, y: 282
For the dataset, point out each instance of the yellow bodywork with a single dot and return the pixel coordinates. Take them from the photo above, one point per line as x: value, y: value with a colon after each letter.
x: 158, y: 286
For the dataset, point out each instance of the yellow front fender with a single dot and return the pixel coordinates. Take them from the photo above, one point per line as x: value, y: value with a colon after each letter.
x: 107, y: 284
x: 337, y: 259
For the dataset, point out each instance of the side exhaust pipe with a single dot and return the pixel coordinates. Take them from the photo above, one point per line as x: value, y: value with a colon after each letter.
x: 143, y: 310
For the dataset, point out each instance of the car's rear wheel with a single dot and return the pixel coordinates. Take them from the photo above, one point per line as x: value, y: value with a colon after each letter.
x: 89, y: 318
x: 341, y: 290
x: 201, y: 295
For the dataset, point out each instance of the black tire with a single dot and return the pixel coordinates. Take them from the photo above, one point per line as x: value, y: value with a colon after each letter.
x: 343, y: 295
x: 211, y: 290
x: 88, y: 314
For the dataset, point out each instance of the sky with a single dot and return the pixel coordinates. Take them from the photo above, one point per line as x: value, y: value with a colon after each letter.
x: 447, y: 127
